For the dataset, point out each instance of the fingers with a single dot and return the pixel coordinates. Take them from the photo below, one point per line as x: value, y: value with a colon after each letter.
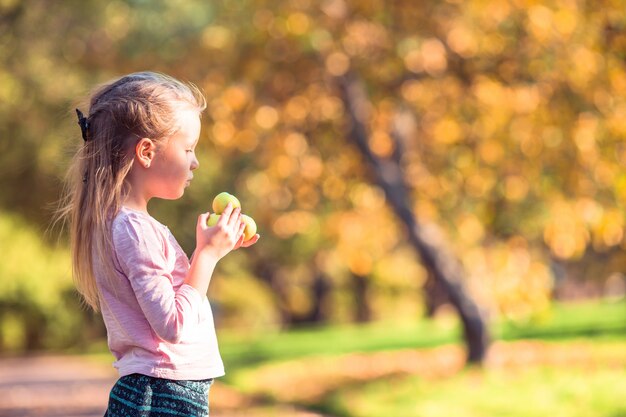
x: 239, y: 242
x: 242, y: 227
x: 254, y: 239
x: 235, y: 219
x: 225, y: 216
x: 202, y: 219
x: 230, y: 217
x: 239, y: 235
x: 231, y: 221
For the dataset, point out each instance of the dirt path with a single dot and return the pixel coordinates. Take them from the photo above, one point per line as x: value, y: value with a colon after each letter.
x: 53, y: 386
x: 68, y: 386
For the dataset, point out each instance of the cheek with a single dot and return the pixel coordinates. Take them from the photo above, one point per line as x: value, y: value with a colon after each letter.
x: 173, y: 162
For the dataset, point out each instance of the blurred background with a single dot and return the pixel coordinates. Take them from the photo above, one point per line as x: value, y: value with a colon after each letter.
x: 375, y: 143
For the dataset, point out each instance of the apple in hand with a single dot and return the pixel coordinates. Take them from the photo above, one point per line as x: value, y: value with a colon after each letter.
x: 248, y: 232
x: 250, y: 229
x: 219, y: 204
x: 221, y: 201
x: 212, y: 220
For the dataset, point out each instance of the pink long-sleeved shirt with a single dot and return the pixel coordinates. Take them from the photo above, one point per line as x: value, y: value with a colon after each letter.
x: 156, y: 324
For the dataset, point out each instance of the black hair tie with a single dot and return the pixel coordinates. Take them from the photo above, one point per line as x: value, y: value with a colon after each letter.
x: 84, y: 125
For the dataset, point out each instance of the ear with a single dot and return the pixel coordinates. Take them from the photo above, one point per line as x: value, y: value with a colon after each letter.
x: 144, y: 152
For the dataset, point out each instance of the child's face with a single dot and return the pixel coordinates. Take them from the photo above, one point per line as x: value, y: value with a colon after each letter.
x: 175, y: 158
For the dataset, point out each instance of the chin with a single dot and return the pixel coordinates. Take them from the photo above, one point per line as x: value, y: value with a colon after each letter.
x: 173, y: 195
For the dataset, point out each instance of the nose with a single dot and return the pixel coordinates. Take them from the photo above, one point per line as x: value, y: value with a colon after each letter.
x: 194, y: 163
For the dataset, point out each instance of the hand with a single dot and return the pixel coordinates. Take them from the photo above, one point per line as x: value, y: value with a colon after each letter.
x: 222, y: 238
x: 241, y: 244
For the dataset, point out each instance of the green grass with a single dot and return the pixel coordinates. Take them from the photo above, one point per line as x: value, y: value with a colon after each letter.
x: 531, y: 392
x: 248, y: 350
x: 273, y: 366
x: 606, y: 319
x: 243, y: 350
x: 597, y: 319
x: 264, y: 365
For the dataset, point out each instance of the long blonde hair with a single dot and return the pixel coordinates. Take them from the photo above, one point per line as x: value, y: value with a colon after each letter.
x: 138, y: 105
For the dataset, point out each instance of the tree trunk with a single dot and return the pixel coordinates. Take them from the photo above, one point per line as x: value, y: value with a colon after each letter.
x: 425, y: 238
x: 362, y: 310
x: 266, y: 271
x: 435, y: 295
x: 320, y: 290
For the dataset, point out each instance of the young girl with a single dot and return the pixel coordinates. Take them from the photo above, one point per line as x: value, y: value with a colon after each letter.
x: 139, y: 134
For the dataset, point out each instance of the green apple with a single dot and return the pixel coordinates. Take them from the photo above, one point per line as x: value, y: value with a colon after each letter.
x: 221, y: 201
x: 212, y: 220
x: 250, y: 229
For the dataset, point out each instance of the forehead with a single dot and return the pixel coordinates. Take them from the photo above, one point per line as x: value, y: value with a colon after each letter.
x: 188, y: 121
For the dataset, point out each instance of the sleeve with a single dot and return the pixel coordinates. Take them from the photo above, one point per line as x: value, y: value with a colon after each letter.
x: 141, y: 253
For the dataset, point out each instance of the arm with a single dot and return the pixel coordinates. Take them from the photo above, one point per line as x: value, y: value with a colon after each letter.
x: 213, y: 243
x: 143, y: 261
x: 142, y: 257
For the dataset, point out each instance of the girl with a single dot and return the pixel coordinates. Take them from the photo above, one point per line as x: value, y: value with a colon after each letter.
x: 139, y: 139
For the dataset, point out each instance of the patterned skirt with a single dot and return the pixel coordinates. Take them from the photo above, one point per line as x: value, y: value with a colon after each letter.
x: 145, y: 396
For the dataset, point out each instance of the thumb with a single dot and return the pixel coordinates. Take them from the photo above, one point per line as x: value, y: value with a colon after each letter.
x: 202, y: 219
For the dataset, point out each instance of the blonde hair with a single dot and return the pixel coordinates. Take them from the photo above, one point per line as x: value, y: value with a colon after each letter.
x: 122, y: 111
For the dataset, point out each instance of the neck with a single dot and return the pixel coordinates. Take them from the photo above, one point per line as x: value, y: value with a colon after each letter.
x: 136, y: 197
x: 135, y: 202
x: 136, y: 205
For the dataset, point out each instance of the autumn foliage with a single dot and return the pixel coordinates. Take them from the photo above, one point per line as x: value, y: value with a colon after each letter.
x: 513, y: 114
